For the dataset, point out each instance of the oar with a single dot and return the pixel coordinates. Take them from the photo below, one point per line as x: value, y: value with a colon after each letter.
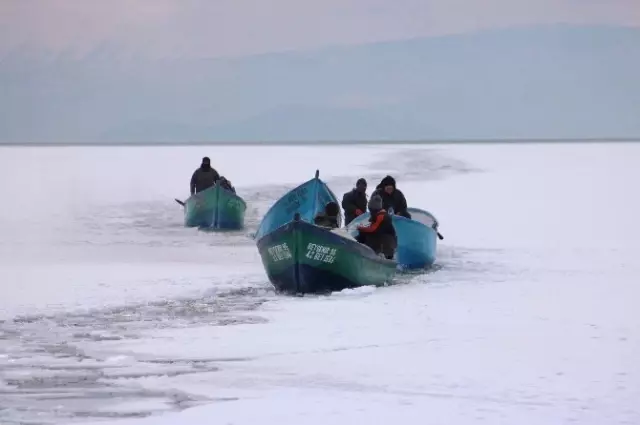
x: 179, y: 201
x: 435, y: 227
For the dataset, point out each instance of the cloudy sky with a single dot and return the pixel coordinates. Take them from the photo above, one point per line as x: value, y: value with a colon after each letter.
x: 236, y: 27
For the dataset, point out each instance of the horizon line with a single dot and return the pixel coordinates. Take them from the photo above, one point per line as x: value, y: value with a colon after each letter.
x: 484, y: 141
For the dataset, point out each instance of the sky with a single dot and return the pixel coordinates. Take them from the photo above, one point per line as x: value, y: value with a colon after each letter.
x: 213, y: 28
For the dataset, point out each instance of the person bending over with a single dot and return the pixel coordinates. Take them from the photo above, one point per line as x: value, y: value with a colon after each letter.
x: 226, y: 184
x: 393, y: 199
x: 379, y: 234
x: 329, y: 217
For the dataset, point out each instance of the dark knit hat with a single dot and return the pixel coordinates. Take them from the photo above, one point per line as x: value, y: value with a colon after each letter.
x: 388, y: 181
x: 375, y: 203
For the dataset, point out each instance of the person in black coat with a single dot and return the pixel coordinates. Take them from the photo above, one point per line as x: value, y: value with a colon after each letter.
x: 226, y: 184
x: 393, y: 199
x: 354, y: 202
x: 379, y: 234
x: 204, y: 177
x: 329, y: 217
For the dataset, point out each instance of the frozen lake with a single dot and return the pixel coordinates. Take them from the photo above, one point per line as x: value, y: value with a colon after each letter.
x: 111, y: 311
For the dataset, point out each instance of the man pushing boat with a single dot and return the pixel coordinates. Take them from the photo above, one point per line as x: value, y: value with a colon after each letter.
x: 354, y: 202
x: 226, y: 184
x: 379, y: 234
x: 393, y: 200
x: 204, y: 177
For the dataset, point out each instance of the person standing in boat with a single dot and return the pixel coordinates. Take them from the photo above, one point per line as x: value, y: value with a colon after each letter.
x: 329, y: 217
x: 354, y: 202
x: 379, y: 234
x: 204, y: 177
x: 393, y: 199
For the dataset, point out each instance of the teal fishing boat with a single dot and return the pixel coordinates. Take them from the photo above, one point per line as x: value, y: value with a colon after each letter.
x: 300, y: 257
x: 214, y: 208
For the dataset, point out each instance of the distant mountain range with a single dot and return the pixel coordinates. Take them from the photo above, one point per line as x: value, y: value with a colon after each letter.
x: 539, y: 82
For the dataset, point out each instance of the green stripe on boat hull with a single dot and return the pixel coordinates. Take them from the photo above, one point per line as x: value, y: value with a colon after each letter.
x: 303, y: 258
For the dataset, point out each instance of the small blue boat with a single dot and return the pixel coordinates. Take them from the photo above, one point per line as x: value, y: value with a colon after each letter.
x: 301, y: 257
x: 215, y: 208
x: 308, y: 200
x: 417, y: 237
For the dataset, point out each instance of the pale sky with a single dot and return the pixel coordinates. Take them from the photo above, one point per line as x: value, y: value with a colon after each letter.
x: 235, y: 27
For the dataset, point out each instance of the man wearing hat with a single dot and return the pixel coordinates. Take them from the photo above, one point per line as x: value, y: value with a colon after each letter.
x: 354, y: 202
x: 204, y: 177
x: 379, y: 234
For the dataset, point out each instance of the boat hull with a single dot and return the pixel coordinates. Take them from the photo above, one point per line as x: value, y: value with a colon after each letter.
x: 215, y: 208
x: 300, y: 258
x: 417, y: 237
x: 307, y: 200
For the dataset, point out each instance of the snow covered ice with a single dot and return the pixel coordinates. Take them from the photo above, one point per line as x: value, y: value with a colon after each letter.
x: 113, y: 313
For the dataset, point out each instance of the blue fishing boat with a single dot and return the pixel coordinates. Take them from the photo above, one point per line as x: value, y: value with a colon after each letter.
x: 301, y: 257
x: 417, y: 237
x: 308, y: 200
x: 215, y: 208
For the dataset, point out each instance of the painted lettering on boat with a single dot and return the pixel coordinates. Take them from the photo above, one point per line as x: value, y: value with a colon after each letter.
x: 321, y: 253
x: 279, y: 252
x: 295, y: 199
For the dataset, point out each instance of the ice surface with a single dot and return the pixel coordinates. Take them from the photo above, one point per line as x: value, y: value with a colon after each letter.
x: 528, y: 317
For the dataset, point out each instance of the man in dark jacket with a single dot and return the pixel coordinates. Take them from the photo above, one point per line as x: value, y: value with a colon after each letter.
x: 204, y: 177
x: 329, y: 217
x: 354, y: 202
x: 393, y: 200
x: 226, y: 184
x: 379, y: 235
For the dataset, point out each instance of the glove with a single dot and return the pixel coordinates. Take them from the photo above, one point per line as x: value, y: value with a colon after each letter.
x: 358, y: 212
